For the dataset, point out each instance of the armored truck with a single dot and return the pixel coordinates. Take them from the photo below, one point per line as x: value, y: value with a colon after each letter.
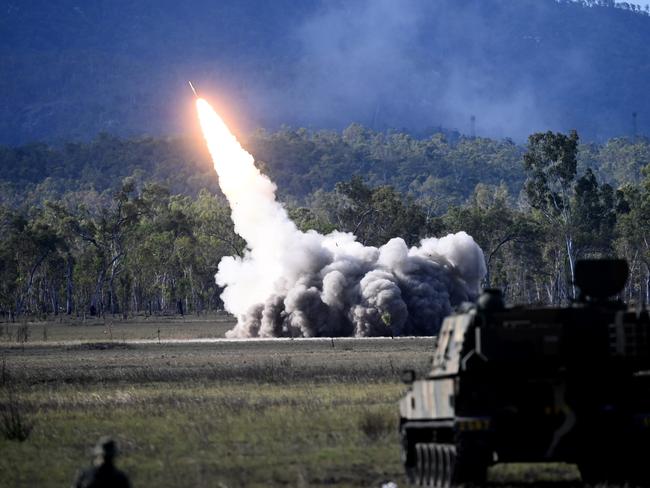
x: 535, y: 384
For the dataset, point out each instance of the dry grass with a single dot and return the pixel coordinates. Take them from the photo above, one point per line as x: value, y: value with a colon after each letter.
x: 283, y: 361
x: 14, y: 423
x: 269, y: 413
x: 256, y: 413
x: 376, y: 425
x: 64, y: 328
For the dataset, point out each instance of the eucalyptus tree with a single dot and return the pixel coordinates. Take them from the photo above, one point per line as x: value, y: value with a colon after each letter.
x: 500, y: 229
x: 374, y: 215
x: 633, y: 225
x: 106, y: 233
x: 551, y: 166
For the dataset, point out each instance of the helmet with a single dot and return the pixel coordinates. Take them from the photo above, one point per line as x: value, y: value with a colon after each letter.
x: 106, y: 448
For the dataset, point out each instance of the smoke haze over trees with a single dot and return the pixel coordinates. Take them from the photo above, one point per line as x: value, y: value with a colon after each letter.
x: 72, y: 69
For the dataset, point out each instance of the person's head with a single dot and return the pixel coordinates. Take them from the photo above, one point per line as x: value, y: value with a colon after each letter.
x: 105, y: 451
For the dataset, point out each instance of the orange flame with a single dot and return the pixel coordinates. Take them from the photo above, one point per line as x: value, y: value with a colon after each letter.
x: 227, y: 154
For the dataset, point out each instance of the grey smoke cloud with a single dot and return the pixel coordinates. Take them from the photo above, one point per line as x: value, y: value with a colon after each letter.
x: 365, y: 291
x: 305, y: 284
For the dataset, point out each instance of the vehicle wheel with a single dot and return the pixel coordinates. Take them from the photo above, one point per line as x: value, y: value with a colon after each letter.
x: 408, y: 457
x: 434, y: 479
x: 467, y: 466
x: 419, y: 464
x: 445, y: 479
x: 431, y: 465
x: 423, y: 464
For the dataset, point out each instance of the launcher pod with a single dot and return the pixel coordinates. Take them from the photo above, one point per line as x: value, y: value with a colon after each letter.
x: 527, y: 384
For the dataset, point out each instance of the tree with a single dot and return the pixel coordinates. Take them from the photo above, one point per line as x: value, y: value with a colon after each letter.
x: 594, y: 216
x: 551, y: 164
x: 633, y: 225
x: 107, y: 232
x: 374, y: 215
x: 495, y: 225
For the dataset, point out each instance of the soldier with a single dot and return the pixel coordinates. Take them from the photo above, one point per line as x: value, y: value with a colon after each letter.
x: 103, y: 473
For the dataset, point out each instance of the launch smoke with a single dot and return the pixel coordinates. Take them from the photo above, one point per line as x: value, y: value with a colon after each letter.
x: 305, y: 284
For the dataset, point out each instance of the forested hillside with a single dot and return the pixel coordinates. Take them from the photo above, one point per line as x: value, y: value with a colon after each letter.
x: 71, y: 69
x: 444, y: 168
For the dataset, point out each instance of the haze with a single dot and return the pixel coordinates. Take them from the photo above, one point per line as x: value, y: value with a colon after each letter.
x: 76, y: 68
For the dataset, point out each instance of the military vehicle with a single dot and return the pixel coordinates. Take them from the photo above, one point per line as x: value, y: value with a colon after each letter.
x: 535, y: 384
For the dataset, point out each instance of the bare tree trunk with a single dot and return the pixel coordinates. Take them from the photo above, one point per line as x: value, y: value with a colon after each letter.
x: 647, y: 284
x: 95, y: 301
x: 20, y: 303
x: 571, y: 255
x: 134, y: 299
x: 111, y: 294
x: 69, y: 270
x: 125, y: 297
x: 54, y: 296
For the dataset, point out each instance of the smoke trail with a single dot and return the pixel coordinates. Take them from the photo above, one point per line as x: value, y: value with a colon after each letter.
x: 304, y: 284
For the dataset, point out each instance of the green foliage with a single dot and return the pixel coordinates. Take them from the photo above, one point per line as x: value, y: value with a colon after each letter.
x: 142, y: 250
x: 595, y: 214
x: 551, y: 162
x: 95, y: 170
x: 136, y: 234
x: 302, y: 162
x: 506, y: 234
x: 438, y: 171
x: 374, y: 215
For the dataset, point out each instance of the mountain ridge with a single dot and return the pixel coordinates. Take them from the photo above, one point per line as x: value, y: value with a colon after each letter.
x: 74, y: 69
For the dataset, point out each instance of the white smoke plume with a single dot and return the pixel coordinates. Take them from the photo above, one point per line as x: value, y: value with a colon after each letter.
x: 304, y: 284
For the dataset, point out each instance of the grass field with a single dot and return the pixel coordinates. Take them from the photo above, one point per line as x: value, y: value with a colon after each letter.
x: 199, y: 413
x: 115, y: 328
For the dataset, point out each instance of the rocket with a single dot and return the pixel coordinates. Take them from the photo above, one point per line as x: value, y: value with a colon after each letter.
x: 192, y: 87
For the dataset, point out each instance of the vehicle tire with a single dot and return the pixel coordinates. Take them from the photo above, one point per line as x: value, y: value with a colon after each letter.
x: 445, y: 479
x: 424, y: 464
x: 430, y: 471
x: 408, y: 457
x: 434, y: 451
x: 419, y: 464
x: 468, y: 466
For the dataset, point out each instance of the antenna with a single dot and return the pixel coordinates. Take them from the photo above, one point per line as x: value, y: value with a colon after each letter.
x: 634, y: 126
x: 472, y: 130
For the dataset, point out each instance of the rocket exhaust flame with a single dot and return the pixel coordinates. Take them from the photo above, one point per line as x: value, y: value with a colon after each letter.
x: 294, y: 283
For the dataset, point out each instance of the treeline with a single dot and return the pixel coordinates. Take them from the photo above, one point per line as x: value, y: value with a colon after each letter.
x: 633, y: 7
x: 532, y: 240
x: 141, y: 248
x: 444, y: 166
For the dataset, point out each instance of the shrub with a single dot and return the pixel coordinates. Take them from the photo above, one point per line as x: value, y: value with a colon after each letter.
x: 14, y: 425
x: 375, y: 425
x: 23, y: 333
